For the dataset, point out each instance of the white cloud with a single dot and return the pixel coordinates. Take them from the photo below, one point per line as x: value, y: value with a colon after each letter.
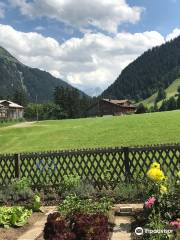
x: 175, y: 33
x: 89, y: 62
x: 2, y: 10
x: 103, y: 14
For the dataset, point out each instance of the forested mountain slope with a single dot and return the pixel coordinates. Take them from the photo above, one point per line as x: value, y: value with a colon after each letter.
x: 156, y: 68
x: 171, y: 91
x: 34, y: 82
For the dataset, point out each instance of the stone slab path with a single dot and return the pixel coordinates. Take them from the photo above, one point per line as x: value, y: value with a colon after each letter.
x: 123, y: 220
x: 122, y: 228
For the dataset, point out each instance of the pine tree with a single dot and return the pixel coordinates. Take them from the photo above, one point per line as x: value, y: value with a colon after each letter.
x: 164, y: 106
x: 20, y: 97
x: 178, y: 102
x: 156, y: 109
x: 178, y: 97
x: 141, y: 109
x: 161, y: 95
x: 172, y: 105
x: 71, y: 102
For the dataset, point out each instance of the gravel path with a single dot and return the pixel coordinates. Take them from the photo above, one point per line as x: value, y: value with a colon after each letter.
x: 21, y: 125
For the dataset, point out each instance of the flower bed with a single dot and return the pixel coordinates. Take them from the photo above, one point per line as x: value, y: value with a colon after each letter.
x: 160, y: 218
x: 16, y: 218
x: 86, y: 216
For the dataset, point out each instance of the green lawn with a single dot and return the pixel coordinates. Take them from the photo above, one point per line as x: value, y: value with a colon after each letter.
x: 170, y: 91
x: 142, y: 129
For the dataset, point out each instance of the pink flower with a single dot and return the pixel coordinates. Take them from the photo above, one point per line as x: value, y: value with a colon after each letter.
x: 175, y: 224
x: 150, y: 202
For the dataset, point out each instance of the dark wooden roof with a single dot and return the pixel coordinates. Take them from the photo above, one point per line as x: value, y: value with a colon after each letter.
x: 122, y: 103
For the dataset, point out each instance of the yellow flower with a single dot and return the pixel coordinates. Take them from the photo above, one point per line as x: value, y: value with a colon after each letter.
x: 155, y: 174
x: 163, y: 189
x: 155, y: 165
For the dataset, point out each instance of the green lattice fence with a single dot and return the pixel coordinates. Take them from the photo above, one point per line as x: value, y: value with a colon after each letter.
x: 96, y: 165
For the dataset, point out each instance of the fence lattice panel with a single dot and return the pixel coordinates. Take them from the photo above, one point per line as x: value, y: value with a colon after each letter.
x: 7, y: 168
x: 96, y: 165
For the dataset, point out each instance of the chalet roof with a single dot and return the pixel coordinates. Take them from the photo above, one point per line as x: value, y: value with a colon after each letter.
x: 117, y: 101
x: 122, y: 103
x: 11, y: 104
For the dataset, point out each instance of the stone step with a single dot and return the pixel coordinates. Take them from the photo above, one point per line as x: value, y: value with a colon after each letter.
x: 127, y: 209
x: 124, y: 211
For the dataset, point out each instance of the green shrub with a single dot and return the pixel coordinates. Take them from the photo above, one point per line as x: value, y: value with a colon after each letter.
x: 20, y: 189
x: 73, y: 204
x: 73, y: 184
x: 105, y: 192
x: 69, y: 183
x: 129, y: 192
x: 21, y: 184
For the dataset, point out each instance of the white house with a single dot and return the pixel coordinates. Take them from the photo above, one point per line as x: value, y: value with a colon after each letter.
x: 10, y: 110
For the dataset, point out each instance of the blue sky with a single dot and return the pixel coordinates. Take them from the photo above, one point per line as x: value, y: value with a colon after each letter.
x: 86, y: 42
x: 160, y: 15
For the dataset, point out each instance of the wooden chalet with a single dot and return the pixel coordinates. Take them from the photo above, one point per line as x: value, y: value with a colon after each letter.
x: 10, y: 110
x: 111, y: 107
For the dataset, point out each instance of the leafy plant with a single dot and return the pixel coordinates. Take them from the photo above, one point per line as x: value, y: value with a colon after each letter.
x: 84, y: 190
x: 156, y: 223
x: 91, y: 226
x: 14, y: 216
x: 56, y: 228
x: 36, y: 203
x: 129, y: 191
x: 77, y: 225
x: 20, y: 189
x: 73, y: 204
x: 69, y: 183
x: 73, y: 184
x: 21, y: 184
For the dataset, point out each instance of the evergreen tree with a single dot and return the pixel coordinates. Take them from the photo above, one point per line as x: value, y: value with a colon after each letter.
x: 172, y: 105
x: 164, y: 106
x: 141, y: 109
x: 156, y: 109
x: 20, y: 97
x: 178, y: 98
x: 178, y: 102
x: 71, y: 102
x: 161, y: 95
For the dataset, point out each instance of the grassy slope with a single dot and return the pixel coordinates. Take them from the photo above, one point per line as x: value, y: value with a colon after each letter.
x: 142, y: 129
x: 170, y: 91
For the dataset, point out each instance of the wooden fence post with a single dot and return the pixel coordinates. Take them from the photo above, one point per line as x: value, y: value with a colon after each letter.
x: 17, y: 158
x: 127, y: 164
